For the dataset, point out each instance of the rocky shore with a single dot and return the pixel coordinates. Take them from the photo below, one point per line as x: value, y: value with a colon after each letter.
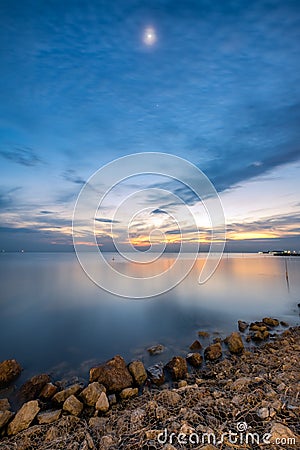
x: 223, y: 396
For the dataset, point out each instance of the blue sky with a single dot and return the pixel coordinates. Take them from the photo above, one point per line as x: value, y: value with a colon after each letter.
x: 80, y: 87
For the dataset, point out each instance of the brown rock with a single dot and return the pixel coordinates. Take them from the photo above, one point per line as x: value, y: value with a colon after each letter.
x: 177, y: 368
x: 92, y: 392
x: 31, y: 389
x: 168, y: 398
x: 258, y: 326
x: 195, y: 359
x: 113, y: 374
x: 73, y: 405
x: 138, y: 372
x: 242, y: 325
x: 235, y: 343
x: 213, y: 352
x: 24, y: 417
x: 260, y: 335
x: 196, y: 345
x: 156, y: 349
x: 10, y: 369
x: 102, y: 404
x: 62, y: 396
x: 46, y: 417
x: 4, y: 404
x: 203, y: 334
x: 271, y: 322
x: 279, y: 431
x: 5, y: 416
x: 156, y: 374
x: 48, y: 391
x: 284, y: 324
x: 128, y: 393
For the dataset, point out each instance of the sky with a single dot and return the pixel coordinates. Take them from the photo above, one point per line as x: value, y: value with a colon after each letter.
x: 214, y: 82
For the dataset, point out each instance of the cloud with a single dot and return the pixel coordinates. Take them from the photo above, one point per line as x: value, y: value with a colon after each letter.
x: 21, y: 155
x: 7, y: 198
x: 70, y: 175
x: 104, y: 220
x: 159, y: 211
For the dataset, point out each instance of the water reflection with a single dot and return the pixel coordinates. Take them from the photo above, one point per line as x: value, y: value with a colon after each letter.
x: 53, y: 315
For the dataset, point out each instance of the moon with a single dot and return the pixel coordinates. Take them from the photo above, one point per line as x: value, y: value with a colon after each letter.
x: 149, y: 36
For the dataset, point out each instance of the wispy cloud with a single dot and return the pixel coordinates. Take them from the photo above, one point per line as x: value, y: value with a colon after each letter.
x: 21, y: 155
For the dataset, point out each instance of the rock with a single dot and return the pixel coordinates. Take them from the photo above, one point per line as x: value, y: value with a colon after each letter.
x: 156, y: 374
x: 182, y: 384
x: 235, y: 343
x: 242, y: 325
x: 113, y: 374
x: 4, y: 404
x: 46, y: 417
x: 280, y: 431
x: 92, y: 392
x: 263, y: 413
x: 10, y: 369
x: 258, y: 326
x: 156, y: 349
x: 177, y: 368
x: 138, y: 372
x: 203, y: 334
x: 284, y: 324
x: 168, y: 398
x: 24, y: 417
x: 102, y: 404
x: 5, y: 416
x: 112, y: 399
x: 31, y: 389
x: 213, y: 352
x: 73, y: 405
x: 169, y: 447
x: 106, y: 442
x: 271, y: 322
x: 62, y: 396
x: 128, y: 393
x: 195, y: 359
x: 260, y: 336
x: 48, y: 391
x: 196, y: 345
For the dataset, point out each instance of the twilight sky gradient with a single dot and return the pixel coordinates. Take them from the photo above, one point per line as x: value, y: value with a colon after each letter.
x: 216, y: 82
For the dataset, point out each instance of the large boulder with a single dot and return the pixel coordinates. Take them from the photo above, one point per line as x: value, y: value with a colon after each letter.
x: 48, y: 391
x: 113, y: 374
x: 177, y: 368
x: 32, y: 388
x: 24, y: 417
x: 235, y: 343
x: 5, y: 416
x: 10, y: 369
x: 138, y: 372
x: 213, y: 352
x: 92, y: 392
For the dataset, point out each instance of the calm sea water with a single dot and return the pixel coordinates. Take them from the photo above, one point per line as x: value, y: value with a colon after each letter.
x: 54, y: 319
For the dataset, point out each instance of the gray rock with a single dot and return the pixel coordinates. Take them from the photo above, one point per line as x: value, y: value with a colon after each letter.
x: 46, y: 417
x: 138, y: 372
x: 156, y: 374
x: 10, y: 369
x: 24, y: 417
x: 113, y: 374
x: 73, y: 405
x: 102, y: 404
x: 92, y: 392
